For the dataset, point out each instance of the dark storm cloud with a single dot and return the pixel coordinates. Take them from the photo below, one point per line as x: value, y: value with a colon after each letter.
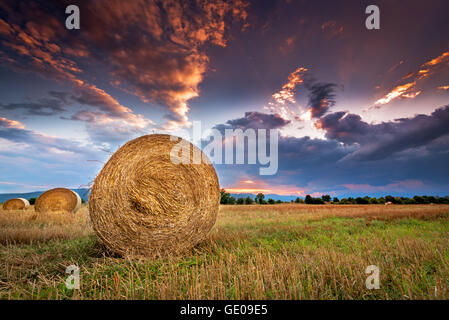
x: 255, y: 120
x: 415, y: 148
x: 321, y: 97
x: 43, y: 107
x: 378, y: 141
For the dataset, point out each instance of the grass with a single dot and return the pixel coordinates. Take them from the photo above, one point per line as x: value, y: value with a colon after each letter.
x: 286, y: 251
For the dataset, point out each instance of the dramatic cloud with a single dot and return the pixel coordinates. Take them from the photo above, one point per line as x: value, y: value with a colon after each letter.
x: 378, y: 141
x: 409, y: 90
x: 154, y: 49
x: 255, y: 120
x: 6, y: 123
x: 34, y: 49
x: 15, y: 131
x: 35, y: 161
x: 442, y: 58
x: 399, y: 186
x: 399, y: 91
x: 43, y: 107
x: 287, y: 93
x: 321, y: 98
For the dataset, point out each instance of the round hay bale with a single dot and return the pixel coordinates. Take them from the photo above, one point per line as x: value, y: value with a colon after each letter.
x: 16, y: 204
x: 143, y: 204
x: 59, y: 199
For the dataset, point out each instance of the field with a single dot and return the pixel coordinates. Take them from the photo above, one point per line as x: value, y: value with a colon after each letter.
x: 288, y: 251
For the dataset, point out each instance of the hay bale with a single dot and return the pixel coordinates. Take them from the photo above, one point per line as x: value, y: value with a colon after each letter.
x: 59, y: 199
x: 143, y: 204
x: 16, y: 204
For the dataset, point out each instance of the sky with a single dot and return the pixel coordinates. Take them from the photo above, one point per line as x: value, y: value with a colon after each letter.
x: 359, y: 112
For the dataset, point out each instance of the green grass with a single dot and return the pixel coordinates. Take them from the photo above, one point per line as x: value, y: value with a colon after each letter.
x: 280, y: 257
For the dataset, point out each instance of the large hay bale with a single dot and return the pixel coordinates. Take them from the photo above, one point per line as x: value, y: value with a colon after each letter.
x: 58, y: 200
x: 16, y: 204
x: 143, y: 204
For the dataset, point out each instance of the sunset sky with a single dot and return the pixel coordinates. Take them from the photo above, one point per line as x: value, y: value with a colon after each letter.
x: 359, y: 111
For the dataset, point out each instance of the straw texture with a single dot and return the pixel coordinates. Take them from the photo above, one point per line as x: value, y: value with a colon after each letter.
x: 58, y: 200
x: 16, y: 204
x: 142, y: 203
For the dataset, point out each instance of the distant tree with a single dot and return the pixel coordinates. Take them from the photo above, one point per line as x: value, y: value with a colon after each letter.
x: 249, y: 200
x: 308, y: 199
x: 231, y: 200
x: 390, y: 199
x: 32, y: 201
x: 260, y: 198
x: 360, y: 200
x: 299, y: 200
x: 271, y: 201
x: 278, y: 201
x: 373, y: 201
x: 326, y: 198
x: 240, y: 201
x: 398, y: 200
x: 224, y: 197
x: 381, y: 200
x: 335, y: 200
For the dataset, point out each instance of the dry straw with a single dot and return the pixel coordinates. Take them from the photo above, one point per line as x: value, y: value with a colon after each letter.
x: 16, y: 204
x: 142, y: 203
x: 58, y: 200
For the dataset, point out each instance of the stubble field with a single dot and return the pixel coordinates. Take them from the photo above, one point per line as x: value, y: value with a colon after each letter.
x: 285, y: 251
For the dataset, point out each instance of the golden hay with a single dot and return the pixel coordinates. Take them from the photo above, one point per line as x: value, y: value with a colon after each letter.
x: 59, y: 199
x: 143, y: 204
x: 16, y: 204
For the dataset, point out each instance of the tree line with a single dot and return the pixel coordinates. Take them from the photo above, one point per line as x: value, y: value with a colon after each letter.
x: 226, y: 198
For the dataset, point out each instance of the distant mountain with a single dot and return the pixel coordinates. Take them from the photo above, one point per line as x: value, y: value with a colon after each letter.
x: 83, y: 193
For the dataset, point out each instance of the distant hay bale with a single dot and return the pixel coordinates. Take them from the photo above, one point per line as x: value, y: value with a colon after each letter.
x: 142, y: 203
x: 59, y: 199
x: 16, y: 204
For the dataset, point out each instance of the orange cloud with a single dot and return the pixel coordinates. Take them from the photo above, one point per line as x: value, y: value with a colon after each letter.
x: 437, y: 60
x: 288, y: 44
x: 11, y: 124
x: 408, y: 90
x: 332, y: 28
x: 286, y: 94
x: 396, y: 93
x: 163, y: 63
x: 443, y: 88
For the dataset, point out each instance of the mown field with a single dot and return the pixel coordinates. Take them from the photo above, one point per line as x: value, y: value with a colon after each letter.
x: 288, y: 251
